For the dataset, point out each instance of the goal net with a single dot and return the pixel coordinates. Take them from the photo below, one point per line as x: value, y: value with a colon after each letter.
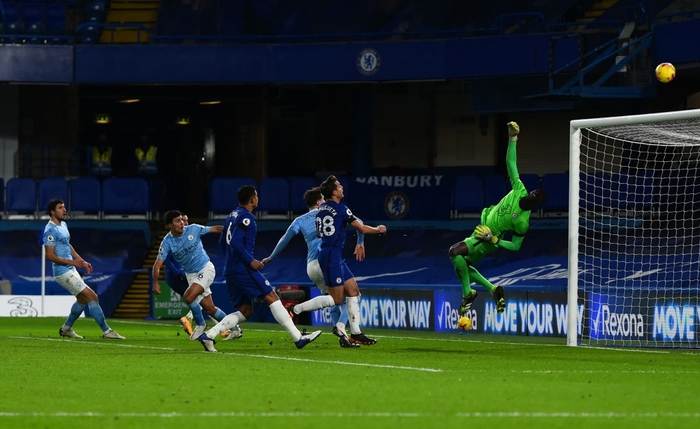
x: 634, y: 231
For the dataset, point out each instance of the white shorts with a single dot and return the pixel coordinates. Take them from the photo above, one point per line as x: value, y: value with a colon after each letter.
x: 313, y: 270
x: 204, y: 278
x: 72, y: 282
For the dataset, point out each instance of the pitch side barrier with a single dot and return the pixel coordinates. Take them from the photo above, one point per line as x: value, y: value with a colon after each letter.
x: 43, y: 297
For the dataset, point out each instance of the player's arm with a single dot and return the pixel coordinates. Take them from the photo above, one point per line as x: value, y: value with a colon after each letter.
x: 216, y: 229
x: 512, y: 154
x: 80, y: 261
x: 53, y: 257
x: 484, y: 233
x: 292, y: 230
x: 514, y: 244
x: 366, y: 229
x: 237, y: 238
x: 360, y: 246
x: 155, y: 275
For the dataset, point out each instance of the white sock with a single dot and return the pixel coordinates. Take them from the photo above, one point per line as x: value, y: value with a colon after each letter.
x: 282, y: 317
x: 321, y: 301
x: 226, y: 323
x: 353, y: 308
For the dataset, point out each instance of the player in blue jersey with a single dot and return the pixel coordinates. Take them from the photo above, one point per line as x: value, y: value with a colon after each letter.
x: 176, y: 278
x: 512, y: 213
x: 243, y: 277
x: 306, y: 225
x: 185, y: 244
x: 332, y: 219
x: 64, y: 260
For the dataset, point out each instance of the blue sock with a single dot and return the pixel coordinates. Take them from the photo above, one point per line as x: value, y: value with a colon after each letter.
x: 335, y: 314
x: 343, y: 314
x: 219, y: 314
x: 97, y: 313
x: 197, y: 313
x: 75, y: 311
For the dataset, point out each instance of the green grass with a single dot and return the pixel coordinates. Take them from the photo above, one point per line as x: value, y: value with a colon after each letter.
x: 157, y: 378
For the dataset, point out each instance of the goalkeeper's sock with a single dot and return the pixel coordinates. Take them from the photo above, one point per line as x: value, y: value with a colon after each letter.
x: 479, y: 279
x: 462, y: 271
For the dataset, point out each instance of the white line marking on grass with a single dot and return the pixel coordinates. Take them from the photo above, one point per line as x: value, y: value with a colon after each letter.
x: 409, y: 368
x: 344, y: 363
x: 305, y: 414
x: 99, y: 343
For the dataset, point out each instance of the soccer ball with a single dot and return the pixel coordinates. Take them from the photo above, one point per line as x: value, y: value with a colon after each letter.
x: 464, y: 323
x: 665, y: 72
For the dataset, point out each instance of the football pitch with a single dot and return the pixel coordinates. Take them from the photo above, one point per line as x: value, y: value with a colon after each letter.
x: 157, y: 378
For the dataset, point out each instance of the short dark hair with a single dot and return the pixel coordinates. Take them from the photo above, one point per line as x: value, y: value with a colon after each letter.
x: 328, y: 186
x: 170, y: 215
x: 245, y: 193
x: 53, y: 204
x: 312, y: 196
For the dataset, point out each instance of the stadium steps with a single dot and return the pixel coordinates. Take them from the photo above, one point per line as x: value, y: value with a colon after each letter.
x: 130, y: 11
x: 594, y: 11
x: 136, y: 303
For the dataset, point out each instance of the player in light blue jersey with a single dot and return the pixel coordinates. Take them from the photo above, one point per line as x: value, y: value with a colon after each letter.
x: 243, y: 277
x: 306, y: 225
x: 185, y: 244
x: 332, y: 219
x: 176, y: 278
x: 65, y: 260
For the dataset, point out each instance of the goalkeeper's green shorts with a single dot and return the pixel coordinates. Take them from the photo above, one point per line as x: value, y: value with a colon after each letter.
x: 477, y: 249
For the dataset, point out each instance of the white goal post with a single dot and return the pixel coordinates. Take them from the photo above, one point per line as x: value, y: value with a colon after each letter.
x: 634, y: 231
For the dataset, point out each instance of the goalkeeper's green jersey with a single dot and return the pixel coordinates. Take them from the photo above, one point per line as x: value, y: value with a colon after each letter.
x: 507, y: 214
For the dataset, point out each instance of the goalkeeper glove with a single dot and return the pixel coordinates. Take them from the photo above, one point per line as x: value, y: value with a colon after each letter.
x: 483, y: 232
x: 513, y: 130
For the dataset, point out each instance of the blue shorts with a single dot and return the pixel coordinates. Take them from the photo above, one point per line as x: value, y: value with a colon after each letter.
x: 335, y: 270
x: 243, y: 288
x: 173, y: 280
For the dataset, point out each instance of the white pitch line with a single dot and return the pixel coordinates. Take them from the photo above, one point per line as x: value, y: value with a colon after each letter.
x: 306, y: 414
x: 287, y: 358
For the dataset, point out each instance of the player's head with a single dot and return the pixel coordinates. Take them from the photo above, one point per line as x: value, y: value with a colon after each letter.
x: 533, y: 200
x: 313, y: 197
x: 56, y: 209
x: 248, y: 196
x: 185, y: 219
x: 331, y: 187
x: 174, y: 221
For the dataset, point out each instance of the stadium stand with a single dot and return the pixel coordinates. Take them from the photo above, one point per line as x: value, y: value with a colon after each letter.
x: 21, y: 198
x: 125, y: 198
x: 51, y: 188
x: 468, y: 197
x: 297, y: 187
x: 556, y: 185
x: 223, y: 195
x: 495, y: 187
x: 274, y: 198
x: 85, y: 198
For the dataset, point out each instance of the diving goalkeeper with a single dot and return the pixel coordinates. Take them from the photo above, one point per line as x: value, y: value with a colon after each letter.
x: 512, y: 213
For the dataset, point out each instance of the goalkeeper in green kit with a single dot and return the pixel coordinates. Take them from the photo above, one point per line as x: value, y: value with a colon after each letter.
x: 512, y: 213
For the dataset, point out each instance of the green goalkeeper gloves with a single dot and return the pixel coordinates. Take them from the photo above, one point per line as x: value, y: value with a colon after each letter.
x: 483, y: 232
x: 513, y: 130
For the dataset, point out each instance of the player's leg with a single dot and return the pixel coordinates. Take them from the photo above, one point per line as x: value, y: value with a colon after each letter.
x: 497, y: 291
x: 458, y: 254
x: 330, y: 282
x: 200, y: 284
x: 78, y: 306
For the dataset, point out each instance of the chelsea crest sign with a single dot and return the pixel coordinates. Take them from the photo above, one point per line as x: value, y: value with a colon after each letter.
x: 368, y: 62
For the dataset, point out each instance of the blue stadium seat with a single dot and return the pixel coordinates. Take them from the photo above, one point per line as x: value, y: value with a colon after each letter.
x: 33, y: 18
x: 297, y: 187
x: 632, y: 192
x: 21, y: 198
x: 274, y: 198
x: 531, y: 181
x: 51, y: 188
x: 468, y: 197
x: 125, y: 198
x: 95, y: 11
x: 11, y: 20
x: 495, y: 188
x: 56, y: 19
x: 223, y: 196
x: 2, y: 195
x: 556, y: 185
x: 85, y: 198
